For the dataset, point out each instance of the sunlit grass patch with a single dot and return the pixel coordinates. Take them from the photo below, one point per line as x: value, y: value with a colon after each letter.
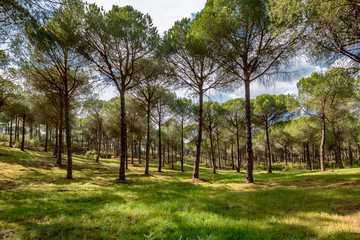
x: 38, y: 202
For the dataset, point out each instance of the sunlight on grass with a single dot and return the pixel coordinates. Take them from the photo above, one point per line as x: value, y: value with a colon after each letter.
x: 37, y: 202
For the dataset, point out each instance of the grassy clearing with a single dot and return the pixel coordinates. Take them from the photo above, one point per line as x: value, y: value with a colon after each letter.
x: 37, y: 202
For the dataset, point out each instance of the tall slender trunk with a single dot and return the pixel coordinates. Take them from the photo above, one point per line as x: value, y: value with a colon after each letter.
x: 232, y: 156
x: 218, y: 152
x: 249, y: 150
x: 308, y: 156
x: 23, y: 134
x: 268, y: 147
x: 172, y: 155
x: 132, y: 148
x: 322, y: 145
x: 336, y: 148
x: 139, y: 152
x: 159, y: 147
x: 212, y: 150
x: 168, y: 152
x: 182, y: 145
x: 46, y: 137
x: 68, y: 134
x: 31, y: 130
x: 198, y: 143
x: 285, y: 156
x: 123, y: 136
x: 11, y: 131
x: 351, y: 158
x: 238, y: 166
x: 147, y: 153
x: 56, y: 139
x: 60, y: 141
x: 16, y: 129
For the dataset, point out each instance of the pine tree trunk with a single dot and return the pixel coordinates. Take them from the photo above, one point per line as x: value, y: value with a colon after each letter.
x: 249, y: 150
x: 147, y: 153
x: 198, y: 143
x: 46, y: 137
x: 182, y: 145
x: 268, y: 147
x: 139, y: 151
x: 322, y: 145
x: 11, y: 131
x: 159, y: 147
x: 232, y: 156
x: 351, y: 158
x: 23, y: 134
x: 60, y: 141
x: 68, y: 134
x: 308, y: 156
x: 123, y: 136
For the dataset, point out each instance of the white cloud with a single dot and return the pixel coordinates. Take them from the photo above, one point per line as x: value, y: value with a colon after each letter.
x: 163, y: 12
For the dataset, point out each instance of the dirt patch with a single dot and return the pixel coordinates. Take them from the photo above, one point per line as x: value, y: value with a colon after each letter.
x: 196, y: 180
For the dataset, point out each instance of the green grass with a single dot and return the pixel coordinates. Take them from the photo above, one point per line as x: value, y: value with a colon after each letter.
x: 37, y: 202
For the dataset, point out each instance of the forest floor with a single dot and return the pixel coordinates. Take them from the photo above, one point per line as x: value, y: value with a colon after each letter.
x: 37, y: 202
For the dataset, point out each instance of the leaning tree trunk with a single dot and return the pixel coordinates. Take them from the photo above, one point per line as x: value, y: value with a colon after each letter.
x: 249, y: 150
x: 68, y: 134
x: 268, y: 147
x: 198, y: 143
x: 322, y: 145
x: 23, y: 134
x: 123, y: 135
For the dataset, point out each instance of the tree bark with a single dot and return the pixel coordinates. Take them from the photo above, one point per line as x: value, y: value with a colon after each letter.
x: 159, y: 147
x: 212, y: 151
x: 198, y: 143
x: 218, y: 152
x: 182, y: 145
x: 308, y: 156
x: 322, y: 145
x: 123, y: 136
x: 11, y: 131
x: 351, y: 158
x: 139, y: 151
x: 68, y: 134
x: 238, y: 166
x: 46, y: 138
x: 336, y: 148
x: 23, y: 134
x: 249, y: 150
x: 60, y: 141
x: 232, y: 156
x: 268, y: 147
x: 147, y: 151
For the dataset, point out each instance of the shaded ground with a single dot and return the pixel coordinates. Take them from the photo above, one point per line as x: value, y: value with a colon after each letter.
x: 37, y: 202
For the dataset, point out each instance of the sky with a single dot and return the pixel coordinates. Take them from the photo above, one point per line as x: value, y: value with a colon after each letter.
x: 165, y: 13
